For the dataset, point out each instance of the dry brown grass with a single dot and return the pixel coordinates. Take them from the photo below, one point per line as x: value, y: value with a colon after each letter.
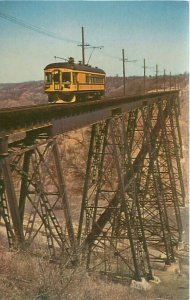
x: 25, y: 277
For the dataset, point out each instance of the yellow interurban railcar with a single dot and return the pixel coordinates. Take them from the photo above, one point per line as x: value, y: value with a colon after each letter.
x: 70, y: 82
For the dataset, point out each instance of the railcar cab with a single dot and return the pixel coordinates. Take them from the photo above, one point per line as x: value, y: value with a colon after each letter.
x: 59, y: 78
x: 57, y: 82
x: 68, y: 82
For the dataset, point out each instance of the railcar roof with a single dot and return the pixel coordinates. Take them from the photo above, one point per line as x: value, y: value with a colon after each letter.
x: 79, y: 67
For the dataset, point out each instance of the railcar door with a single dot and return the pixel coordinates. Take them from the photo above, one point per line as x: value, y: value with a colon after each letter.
x: 56, y: 80
x: 66, y: 81
x: 75, y: 81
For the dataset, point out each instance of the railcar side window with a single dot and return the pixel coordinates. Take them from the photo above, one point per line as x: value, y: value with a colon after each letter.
x: 87, y: 78
x: 48, y: 77
x: 56, y: 76
x: 97, y: 80
x: 66, y: 77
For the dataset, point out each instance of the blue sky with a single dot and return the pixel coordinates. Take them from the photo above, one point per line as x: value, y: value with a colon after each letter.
x: 155, y: 30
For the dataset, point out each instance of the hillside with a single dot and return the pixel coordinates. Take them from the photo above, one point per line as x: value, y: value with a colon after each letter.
x: 32, y: 92
x: 24, y: 93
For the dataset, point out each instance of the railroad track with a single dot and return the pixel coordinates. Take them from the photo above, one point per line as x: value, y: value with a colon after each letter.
x: 22, y: 117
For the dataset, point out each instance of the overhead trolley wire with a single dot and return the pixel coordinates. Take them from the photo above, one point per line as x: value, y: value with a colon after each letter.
x: 110, y: 55
x: 37, y: 29
x: 45, y: 32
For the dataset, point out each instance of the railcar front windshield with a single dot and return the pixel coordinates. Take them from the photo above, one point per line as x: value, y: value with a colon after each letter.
x: 48, y: 77
x: 66, y: 77
x: 56, y: 76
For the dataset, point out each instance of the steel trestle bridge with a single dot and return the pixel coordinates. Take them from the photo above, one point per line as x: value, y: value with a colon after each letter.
x: 133, y: 187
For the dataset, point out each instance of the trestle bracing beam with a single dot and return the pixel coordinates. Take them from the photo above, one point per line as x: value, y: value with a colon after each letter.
x: 24, y: 183
x: 124, y: 203
x: 10, y: 191
x: 62, y: 190
x: 94, y: 168
x: 157, y: 183
x: 32, y: 162
x: 4, y: 213
x: 85, y: 188
x: 176, y: 107
x: 125, y: 227
x: 177, y: 146
x: 131, y: 125
x: 170, y: 170
x: 40, y: 198
x: 137, y: 164
x: 140, y: 228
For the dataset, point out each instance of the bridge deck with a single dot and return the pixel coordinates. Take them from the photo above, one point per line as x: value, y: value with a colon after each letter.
x: 68, y: 117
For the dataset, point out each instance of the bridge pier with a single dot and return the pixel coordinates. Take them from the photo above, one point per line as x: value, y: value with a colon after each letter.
x: 126, y: 214
x: 37, y: 192
x: 24, y: 183
x: 171, y: 169
x: 110, y: 205
x: 64, y: 199
x: 7, y: 185
x: 155, y: 189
